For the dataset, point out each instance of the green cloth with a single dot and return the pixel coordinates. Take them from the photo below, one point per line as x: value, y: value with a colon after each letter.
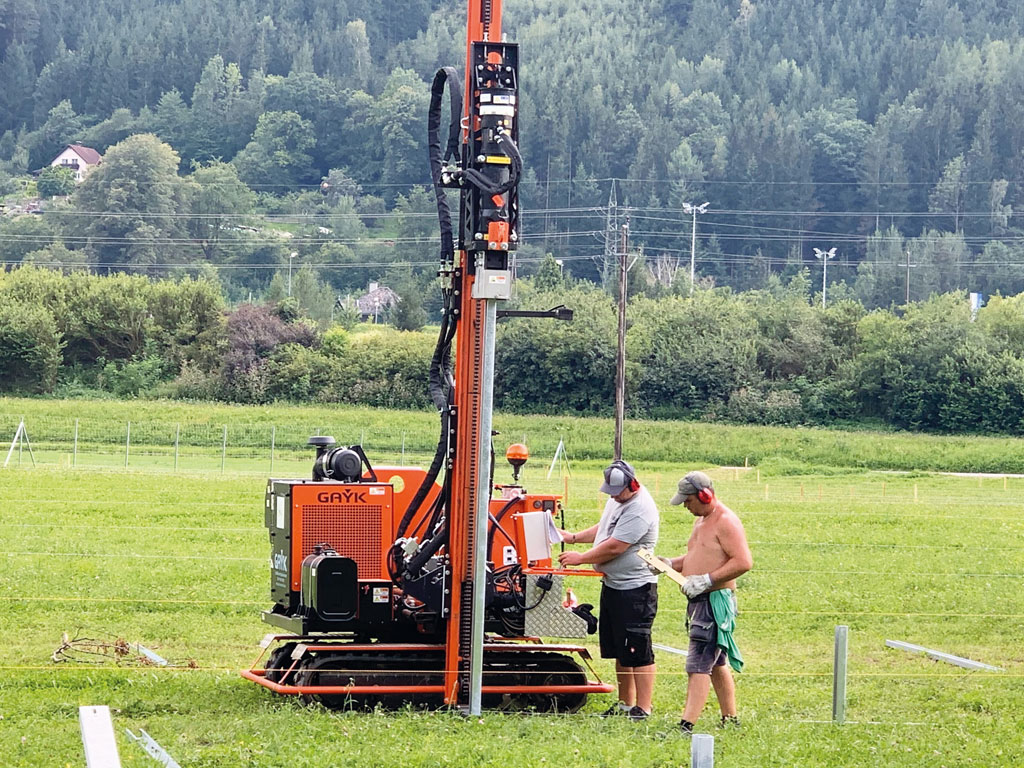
x: 723, y: 606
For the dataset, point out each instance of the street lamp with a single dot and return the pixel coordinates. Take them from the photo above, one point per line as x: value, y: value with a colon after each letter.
x: 291, y: 256
x: 824, y: 256
x: 694, y: 209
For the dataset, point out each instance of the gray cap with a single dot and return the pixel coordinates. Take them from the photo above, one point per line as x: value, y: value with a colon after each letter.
x: 616, y: 477
x: 690, y: 485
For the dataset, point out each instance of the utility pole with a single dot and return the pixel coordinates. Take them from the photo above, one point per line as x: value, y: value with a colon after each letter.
x: 610, y: 237
x: 824, y: 256
x: 694, y: 209
x: 909, y: 265
x: 291, y: 258
x: 620, y: 360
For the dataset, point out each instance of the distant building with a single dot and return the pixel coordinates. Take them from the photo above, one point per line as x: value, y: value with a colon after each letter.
x: 377, y: 300
x: 79, y: 159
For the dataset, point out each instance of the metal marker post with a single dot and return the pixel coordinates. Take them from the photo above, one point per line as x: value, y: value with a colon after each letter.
x: 702, y: 751
x: 74, y: 454
x: 177, y: 439
x: 273, y: 439
x: 98, y: 737
x: 127, y: 444
x: 224, y: 449
x: 839, y: 675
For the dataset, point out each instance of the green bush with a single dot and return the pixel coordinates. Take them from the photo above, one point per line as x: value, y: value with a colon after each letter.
x: 30, y: 348
x: 547, y: 366
x: 385, y: 368
x: 193, y: 383
x: 298, y: 373
x: 130, y: 378
x: 335, y: 342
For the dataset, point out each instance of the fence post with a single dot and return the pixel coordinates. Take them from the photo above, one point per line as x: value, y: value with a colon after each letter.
x: 839, y: 675
x: 177, y: 439
x: 127, y: 444
x: 403, y: 449
x: 224, y: 449
x: 273, y: 438
x: 74, y: 452
x: 702, y: 751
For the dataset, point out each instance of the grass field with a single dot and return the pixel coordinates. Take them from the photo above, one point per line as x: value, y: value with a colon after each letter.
x: 178, y: 562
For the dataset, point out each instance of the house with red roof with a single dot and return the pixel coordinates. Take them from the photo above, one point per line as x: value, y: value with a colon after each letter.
x: 79, y: 159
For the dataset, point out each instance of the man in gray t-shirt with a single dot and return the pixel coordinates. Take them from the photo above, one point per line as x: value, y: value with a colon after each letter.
x: 629, y: 591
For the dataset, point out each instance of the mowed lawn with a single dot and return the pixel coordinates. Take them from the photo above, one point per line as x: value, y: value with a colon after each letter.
x: 179, y: 563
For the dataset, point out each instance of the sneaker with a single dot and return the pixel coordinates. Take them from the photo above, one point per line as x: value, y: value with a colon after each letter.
x: 686, y: 727
x: 637, y: 714
x: 618, y: 708
x: 729, y: 721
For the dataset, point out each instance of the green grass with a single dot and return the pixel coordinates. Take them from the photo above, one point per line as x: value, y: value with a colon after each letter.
x: 777, y: 450
x: 178, y: 562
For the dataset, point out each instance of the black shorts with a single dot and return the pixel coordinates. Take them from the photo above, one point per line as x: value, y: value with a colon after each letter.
x: 624, y: 624
x: 704, y: 653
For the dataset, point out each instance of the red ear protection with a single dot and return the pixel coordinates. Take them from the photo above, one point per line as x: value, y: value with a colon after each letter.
x: 704, y: 495
x: 634, y: 484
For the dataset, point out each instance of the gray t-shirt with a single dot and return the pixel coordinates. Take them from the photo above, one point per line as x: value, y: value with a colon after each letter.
x: 636, y: 523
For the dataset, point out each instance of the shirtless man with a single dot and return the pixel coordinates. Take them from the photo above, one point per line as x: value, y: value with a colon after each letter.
x: 716, y: 555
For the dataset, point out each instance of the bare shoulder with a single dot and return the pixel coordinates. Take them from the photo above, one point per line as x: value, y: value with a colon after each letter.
x: 729, y: 523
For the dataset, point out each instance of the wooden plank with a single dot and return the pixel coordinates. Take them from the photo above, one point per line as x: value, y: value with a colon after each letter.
x: 659, y: 565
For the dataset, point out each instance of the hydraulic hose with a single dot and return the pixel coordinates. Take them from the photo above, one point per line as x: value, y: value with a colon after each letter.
x: 445, y: 75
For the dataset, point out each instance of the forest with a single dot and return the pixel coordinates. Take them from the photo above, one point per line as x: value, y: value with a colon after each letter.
x: 890, y: 131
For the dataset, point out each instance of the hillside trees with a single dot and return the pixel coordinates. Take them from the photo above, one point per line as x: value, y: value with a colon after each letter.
x: 56, y: 180
x: 132, y: 200
x: 278, y: 155
x: 219, y: 201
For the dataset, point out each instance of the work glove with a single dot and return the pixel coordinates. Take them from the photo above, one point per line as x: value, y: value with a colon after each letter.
x: 655, y: 571
x: 696, y: 585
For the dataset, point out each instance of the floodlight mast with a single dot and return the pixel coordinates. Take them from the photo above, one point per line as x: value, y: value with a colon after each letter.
x: 694, y: 209
x: 824, y: 256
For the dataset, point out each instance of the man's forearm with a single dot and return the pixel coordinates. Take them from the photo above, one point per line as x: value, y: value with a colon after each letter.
x: 731, y: 569
x: 586, y: 536
x: 607, y: 550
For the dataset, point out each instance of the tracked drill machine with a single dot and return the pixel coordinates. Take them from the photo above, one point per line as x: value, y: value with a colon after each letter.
x: 399, y: 584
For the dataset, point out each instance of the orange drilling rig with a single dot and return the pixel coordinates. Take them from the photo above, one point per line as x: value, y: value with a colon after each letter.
x: 399, y: 584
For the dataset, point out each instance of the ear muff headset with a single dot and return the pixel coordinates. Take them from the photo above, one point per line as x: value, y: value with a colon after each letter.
x: 632, y: 483
x: 704, y: 495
